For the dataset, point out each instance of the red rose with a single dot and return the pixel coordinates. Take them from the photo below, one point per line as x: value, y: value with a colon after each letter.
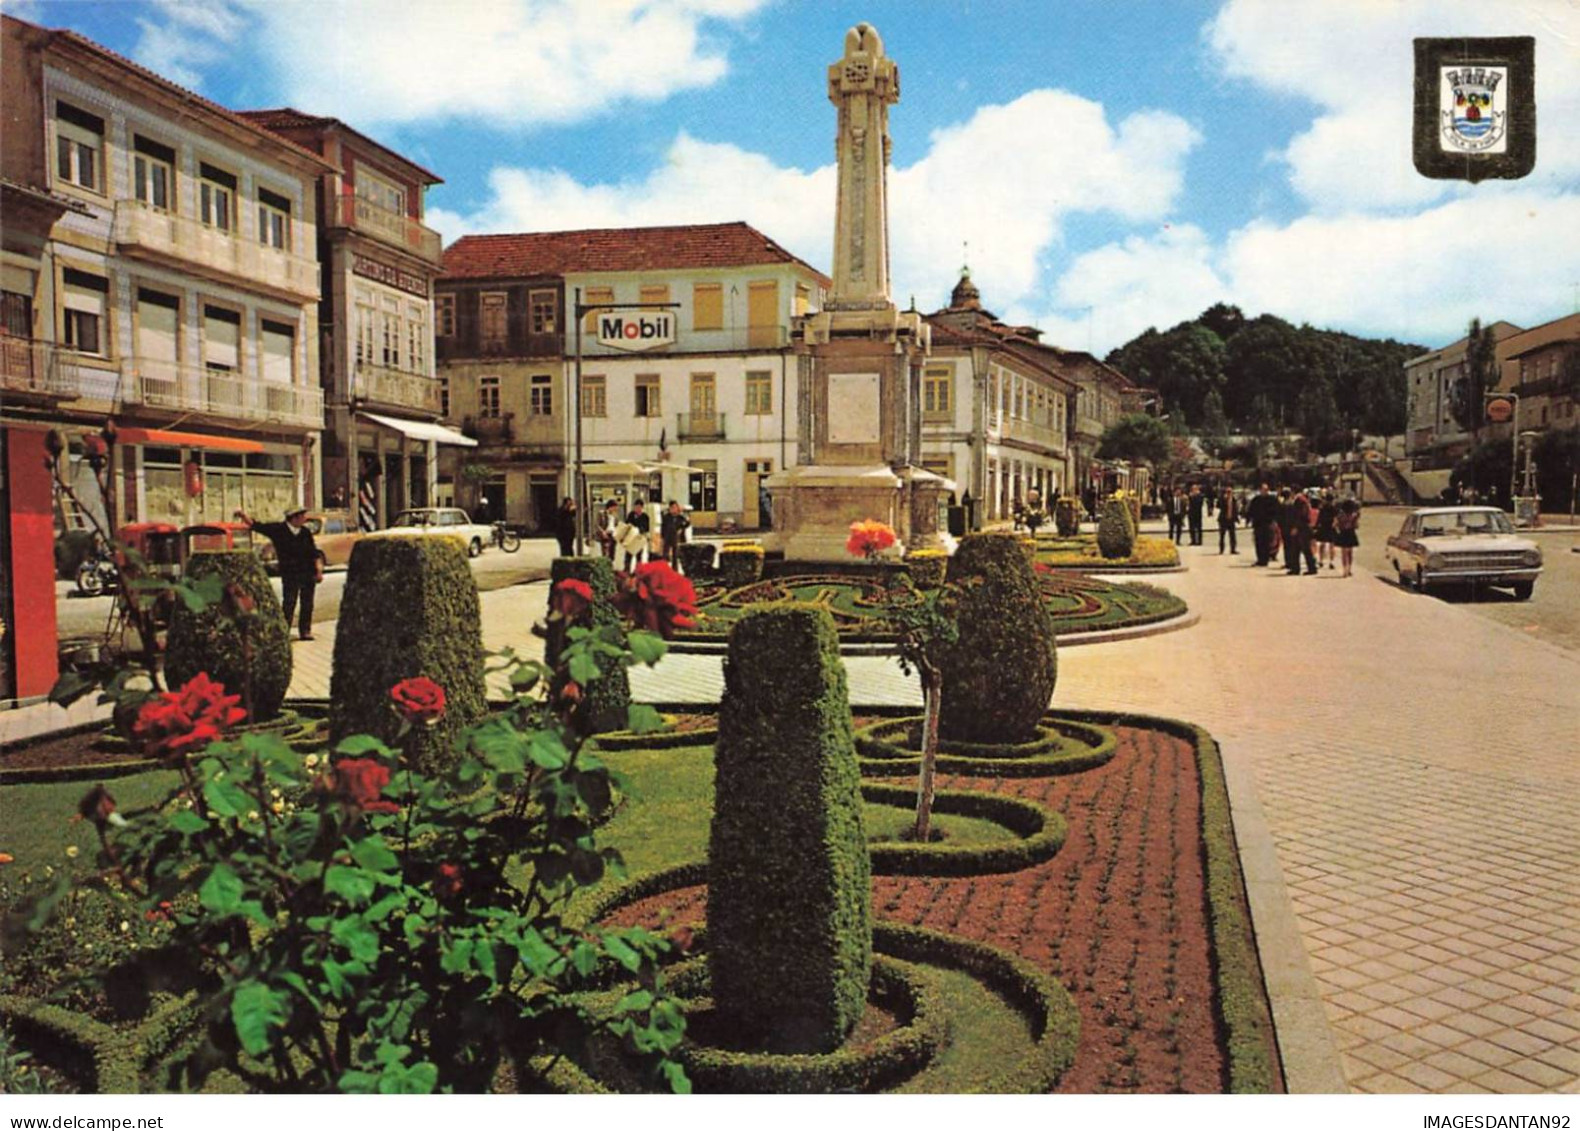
x: 360, y: 782
x: 868, y: 539
x: 448, y: 880
x: 658, y: 599
x: 419, y: 700
x: 175, y: 722
x: 571, y: 598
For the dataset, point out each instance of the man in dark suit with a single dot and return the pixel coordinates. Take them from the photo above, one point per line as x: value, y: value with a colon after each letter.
x: 1194, y: 505
x: 301, y: 567
x: 1262, y: 511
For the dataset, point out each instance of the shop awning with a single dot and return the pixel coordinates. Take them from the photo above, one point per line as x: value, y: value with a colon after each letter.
x: 163, y: 438
x: 618, y: 470
x: 422, y: 430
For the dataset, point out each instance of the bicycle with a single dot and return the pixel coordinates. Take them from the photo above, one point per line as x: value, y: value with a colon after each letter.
x: 505, y: 538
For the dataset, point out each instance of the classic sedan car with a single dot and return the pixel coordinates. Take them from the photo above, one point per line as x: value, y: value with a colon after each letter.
x: 440, y: 522
x: 1464, y: 546
x: 335, y: 534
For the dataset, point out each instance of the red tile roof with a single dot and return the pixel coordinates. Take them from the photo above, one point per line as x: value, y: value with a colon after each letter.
x: 290, y: 118
x: 683, y: 247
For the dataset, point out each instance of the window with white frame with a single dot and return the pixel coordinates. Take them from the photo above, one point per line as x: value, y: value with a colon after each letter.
x: 444, y: 394
x: 389, y: 332
x: 217, y: 197
x: 493, y: 321
x: 595, y: 401
x: 277, y: 351
x: 759, y: 393
x: 84, y: 302
x: 937, y: 383
x: 79, y: 147
x: 541, y: 311
x: 274, y: 220
x: 366, y: 317
x: 488, y: 396
x: 153, y: 172
x: 381, y: 193
x: 416, y: 337
x: 221, y: 339
x: 541, y: 395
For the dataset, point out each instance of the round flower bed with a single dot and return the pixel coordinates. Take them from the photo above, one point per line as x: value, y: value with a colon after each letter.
x: 1062, y: 746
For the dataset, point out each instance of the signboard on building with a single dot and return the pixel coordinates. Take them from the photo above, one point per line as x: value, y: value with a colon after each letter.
x: 390, y: 276
x: 1500, y: 410
x: 635, y: 331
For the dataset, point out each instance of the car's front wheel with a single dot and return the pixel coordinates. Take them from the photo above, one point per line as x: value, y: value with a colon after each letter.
x: 474, y: 547
x: 1523, y: 590
x: 1420, y: 580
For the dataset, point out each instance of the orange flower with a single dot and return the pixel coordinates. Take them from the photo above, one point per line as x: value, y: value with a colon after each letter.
x: 869, y: 538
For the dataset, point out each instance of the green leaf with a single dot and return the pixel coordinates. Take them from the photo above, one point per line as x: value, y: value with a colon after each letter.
x: 186, y: 822
x: 351, y: 884
x: 362, y: 744
x: 359, y: 939
x: 384, y: 907
x: 256, y: 1010
x: 413, y: 927
x: 457, y: 957
x: 647, y: 647
x: 584, y: 958
x: 227, y: 799
x: 675, y: 1074
x: 583, y: 667
x: 416, y: 1080
x: 524, y: 679
x: 221, y: 892
x: 618, y: 950
x: 546, y: 750
x: 536, y: 953
x: 299, y: 984
x: 374, y: 855
x: 643, y: 719
x: 635, y: 1002
x: 501, y: 745
x: 358, y: 1083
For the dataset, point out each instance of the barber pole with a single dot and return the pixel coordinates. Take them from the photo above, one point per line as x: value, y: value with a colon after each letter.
x: 367, y: 508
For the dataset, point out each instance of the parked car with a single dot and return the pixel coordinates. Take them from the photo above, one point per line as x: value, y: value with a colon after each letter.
x: 441, y: 522
x: 1464, y: 546
x: 335, y: 533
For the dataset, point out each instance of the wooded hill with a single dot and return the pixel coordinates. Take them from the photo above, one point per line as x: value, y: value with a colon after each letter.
x: 1223, y: 372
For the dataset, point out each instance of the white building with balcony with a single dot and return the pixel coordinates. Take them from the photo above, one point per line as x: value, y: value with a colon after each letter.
x: 996, y: 408
x: 177, y: 289
x: 378, y: 263
x: 707, y: 414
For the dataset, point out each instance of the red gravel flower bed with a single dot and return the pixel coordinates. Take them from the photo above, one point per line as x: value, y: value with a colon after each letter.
x: 1119, y: 915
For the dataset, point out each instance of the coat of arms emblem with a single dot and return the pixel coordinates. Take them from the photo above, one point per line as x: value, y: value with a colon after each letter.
x: 1473, y: 117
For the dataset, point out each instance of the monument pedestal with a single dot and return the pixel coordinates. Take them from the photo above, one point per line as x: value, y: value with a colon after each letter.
x: 814, y: 506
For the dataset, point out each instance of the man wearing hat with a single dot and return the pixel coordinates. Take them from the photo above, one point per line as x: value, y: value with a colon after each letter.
x: 301, y: 567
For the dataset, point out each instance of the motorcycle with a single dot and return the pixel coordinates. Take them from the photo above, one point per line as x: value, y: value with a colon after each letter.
x: 505, y: 538
x: 96, y: 574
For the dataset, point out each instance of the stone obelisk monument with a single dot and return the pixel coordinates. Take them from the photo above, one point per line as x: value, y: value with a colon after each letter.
x: 859, y: 441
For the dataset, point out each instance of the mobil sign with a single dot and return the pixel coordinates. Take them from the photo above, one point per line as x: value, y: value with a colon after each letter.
x: 636, y: 329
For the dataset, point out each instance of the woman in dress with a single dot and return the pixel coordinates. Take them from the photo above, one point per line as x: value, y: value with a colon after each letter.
x: 1322, y: 534
x: 1346, y: 532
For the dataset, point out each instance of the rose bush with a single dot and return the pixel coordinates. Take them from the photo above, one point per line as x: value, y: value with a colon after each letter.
x: 868, y: 539
x: 419, y: 700
x: 657, y: 599
x: 174, y: 724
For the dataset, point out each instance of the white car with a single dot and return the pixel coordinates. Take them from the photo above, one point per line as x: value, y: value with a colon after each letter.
x: 1464, y: 546
x: 442, y: 522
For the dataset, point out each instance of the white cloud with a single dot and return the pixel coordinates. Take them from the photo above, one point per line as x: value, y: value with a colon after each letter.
x: 510, y: 63
x: 187, y: 36
x: 1002, y: 181
x: 1355, y: 61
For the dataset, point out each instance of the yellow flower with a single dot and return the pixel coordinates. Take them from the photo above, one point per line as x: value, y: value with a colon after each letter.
x: 71, y: 851
x: 252, y: 814
x: 125, y: 926
x: 278, y: 806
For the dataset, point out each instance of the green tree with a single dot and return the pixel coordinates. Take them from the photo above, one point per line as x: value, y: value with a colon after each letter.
x: 1184, y: 365
x: 1138, y: 438
x: 1224, y: 320
x: 1481, y: 374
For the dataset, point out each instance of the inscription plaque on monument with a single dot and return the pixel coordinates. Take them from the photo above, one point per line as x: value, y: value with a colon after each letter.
x: 853, y: 408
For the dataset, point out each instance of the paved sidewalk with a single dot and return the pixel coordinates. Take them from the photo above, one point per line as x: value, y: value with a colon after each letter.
x: 1407, y: 802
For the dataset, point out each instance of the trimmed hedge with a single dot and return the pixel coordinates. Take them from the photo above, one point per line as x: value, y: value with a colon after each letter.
x: 606, y: 701
x: 789, y: 899
x: 927, y: 567
x: 410, y: 608
x: 1116, y: 535
x: 1073, y: 748
x: 213, y: 640
x: 1000, y: 674
x: 740, y: 565
x: 696, y: 558
x: 1041, y: 832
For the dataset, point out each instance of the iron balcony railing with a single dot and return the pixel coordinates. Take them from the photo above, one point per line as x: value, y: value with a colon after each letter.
x: 215, y: 392
x: 166, y: 237
x: 396, y: 387
x: 363, y: 215
x: 38, y: 369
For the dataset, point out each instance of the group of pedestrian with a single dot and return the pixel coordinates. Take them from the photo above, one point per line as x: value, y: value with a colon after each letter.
x: 1304, y: 531
x: 631, y: 534
x: 1187, y: 510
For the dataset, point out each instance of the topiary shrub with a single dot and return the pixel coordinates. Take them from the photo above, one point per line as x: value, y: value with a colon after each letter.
x: 696, y: 558
x: 789, y: 900
x: 410, y: 608
x: 1067, y: 516
x: 927, y: 567
x: 999, y: 675
x: 740, y: 565
x: 606, y: 700
x: 1116, y: 536
x: 219, y: 638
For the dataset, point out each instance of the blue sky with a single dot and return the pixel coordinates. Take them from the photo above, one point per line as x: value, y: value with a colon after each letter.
x: 1111, y: 165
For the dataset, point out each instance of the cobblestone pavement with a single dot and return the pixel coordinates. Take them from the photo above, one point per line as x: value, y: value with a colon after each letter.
x: 1408, y: 769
